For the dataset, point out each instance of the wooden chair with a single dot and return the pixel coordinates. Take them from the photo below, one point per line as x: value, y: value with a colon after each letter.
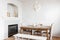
x: 27, y: 31
x: 38, y: 32
x: 46, y: 32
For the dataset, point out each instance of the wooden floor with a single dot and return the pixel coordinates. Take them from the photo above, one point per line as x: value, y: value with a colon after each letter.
x: 12, y: 38
x: 56, y: 38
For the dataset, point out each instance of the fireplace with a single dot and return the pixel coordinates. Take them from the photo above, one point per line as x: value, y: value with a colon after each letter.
x: 12, y: 29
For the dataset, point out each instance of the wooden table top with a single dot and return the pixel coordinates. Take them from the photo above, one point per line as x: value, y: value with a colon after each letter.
x: 35, y: 28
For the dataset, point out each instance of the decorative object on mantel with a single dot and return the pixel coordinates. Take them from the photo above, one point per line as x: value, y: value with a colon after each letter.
x: 8, y: 14
x: 15, y: 14
x: 12, y: 10
x: 36, y: 6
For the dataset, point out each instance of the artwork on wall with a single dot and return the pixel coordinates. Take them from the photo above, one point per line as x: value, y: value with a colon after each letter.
x: 36, y: 6
x: 12, y: 10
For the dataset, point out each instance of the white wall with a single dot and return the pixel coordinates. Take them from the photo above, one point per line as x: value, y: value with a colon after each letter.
x: 1, y: 29
x: 19, y: 6
x: 48, y: 14
x: 3, y: 10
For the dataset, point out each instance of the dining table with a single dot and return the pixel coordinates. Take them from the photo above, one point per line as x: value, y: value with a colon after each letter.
x: 46, y: 29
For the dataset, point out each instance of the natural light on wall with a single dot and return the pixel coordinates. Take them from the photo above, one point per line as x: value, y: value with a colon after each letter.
x: 36, y: 5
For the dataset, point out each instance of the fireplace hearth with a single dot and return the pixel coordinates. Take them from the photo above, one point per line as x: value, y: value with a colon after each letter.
x: 12, y: 29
